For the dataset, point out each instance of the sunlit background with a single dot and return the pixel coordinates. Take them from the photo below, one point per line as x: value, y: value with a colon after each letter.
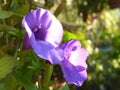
x: 96, y: 24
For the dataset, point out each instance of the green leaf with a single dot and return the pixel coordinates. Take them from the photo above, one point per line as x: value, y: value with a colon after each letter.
x: 24, y: 80
x: 5, y: 14
x: 29, y: 86
x: 6, y: 27
x: 64, y: 88
x: 22, y: 10
x: 8, y: 83
x: 14, y: 4
x: 6, y: 65
x: 24, y: 76
x: 5, y: 84
x: 69, y: 35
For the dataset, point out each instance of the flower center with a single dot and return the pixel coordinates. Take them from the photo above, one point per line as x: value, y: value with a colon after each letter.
x: 39, y: 32
x: 37, y: 28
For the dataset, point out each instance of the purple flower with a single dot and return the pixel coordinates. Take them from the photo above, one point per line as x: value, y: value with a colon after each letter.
x: 44, y: 34
x: 74, y: 64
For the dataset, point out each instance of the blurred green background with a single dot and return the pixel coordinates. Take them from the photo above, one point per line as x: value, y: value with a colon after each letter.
x: 96, y: 23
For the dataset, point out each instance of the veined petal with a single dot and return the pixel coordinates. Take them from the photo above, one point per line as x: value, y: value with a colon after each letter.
x: 26, y: 42
x: 72, y: 74
x: 44, y: 26
x: 74, y: 64
x: 78, y: 57
x: 44, y: 49
x: 55, y: 32
x: 47, y: 51
x: 74, y: 53
x: 34, y: 17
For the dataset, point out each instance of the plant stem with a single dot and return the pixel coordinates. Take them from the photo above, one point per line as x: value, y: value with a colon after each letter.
x: 47, y: 75
x: 30, y: 5
x: 39, y: 83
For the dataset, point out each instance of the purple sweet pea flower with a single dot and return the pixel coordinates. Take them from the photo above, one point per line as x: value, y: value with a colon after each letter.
x: 74, y: 64
x: 44, y: 34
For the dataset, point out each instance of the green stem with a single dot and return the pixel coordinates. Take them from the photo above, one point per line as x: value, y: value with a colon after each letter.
x: 39, y: 83
x: 47, y: 75
x: 4, y: 23
x: 6, y: 35
x: 30, y: 5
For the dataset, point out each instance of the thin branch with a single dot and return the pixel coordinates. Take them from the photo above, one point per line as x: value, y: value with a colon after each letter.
x: 60, y: 8
x: 30, y: 7
x: 70, y: 28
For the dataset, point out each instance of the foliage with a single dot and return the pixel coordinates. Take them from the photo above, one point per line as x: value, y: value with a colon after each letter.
x: 99, y: 33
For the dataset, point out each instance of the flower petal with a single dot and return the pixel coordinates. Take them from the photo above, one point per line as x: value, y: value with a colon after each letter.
x: 47, y: 51
x: 44, y: 49
x: 44, y: 25
x: 74, y: 64
x: 78, y: 57
x: 74, y: 53
x: 55, y: 32
x: 34, y: 17
x: 26, y: 43
x: 72, y: 74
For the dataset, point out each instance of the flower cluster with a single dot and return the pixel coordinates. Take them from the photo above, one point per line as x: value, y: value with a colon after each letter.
x: 44, y: 35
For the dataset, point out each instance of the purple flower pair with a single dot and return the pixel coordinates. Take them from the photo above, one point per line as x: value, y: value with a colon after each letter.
x: 44, y: 35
